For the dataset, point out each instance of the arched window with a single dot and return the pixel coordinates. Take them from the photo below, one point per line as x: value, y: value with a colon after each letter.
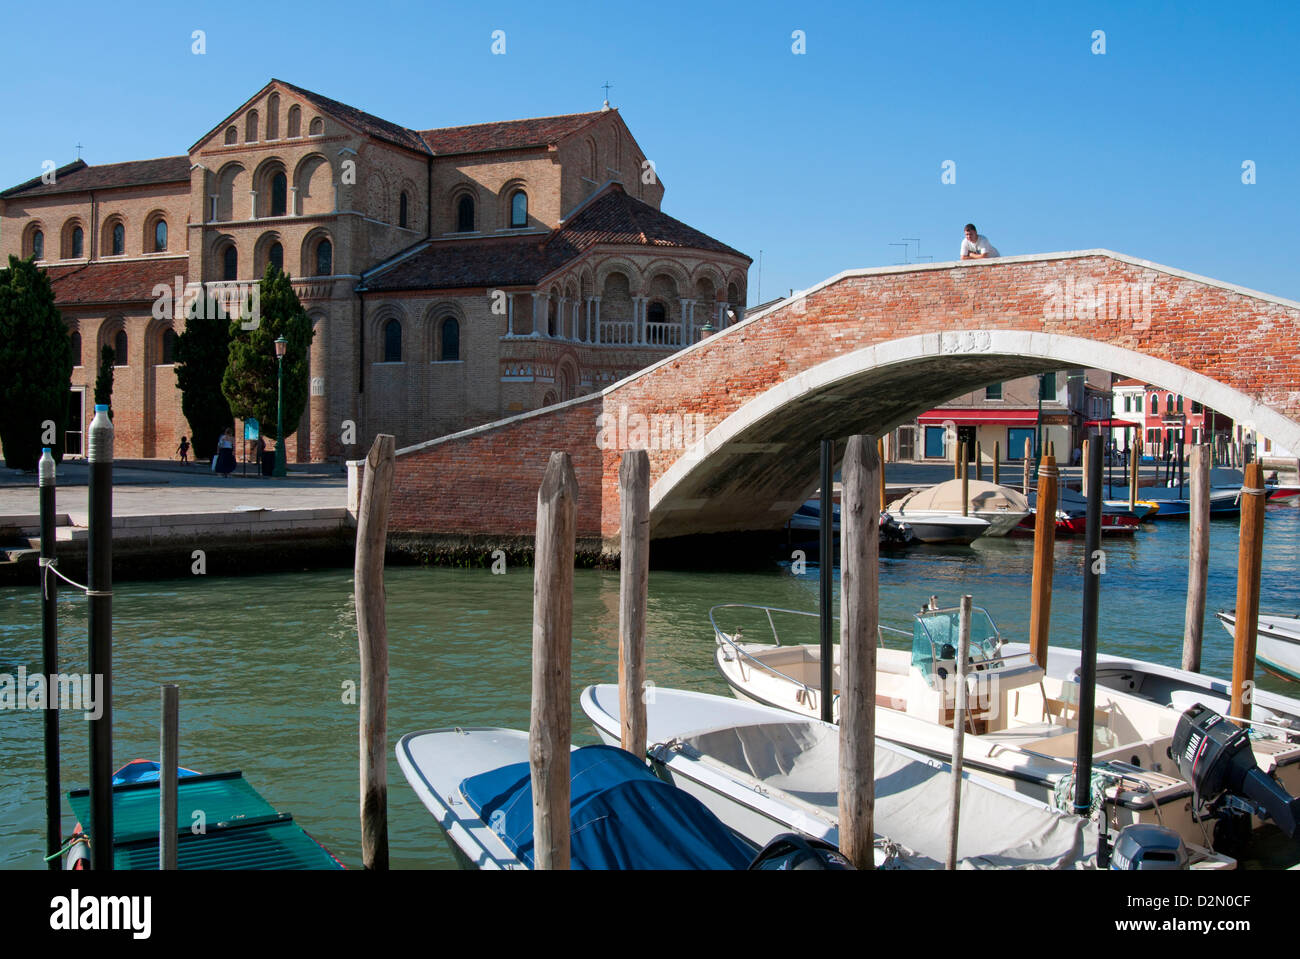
x: 450, y: 340
x: 295, y: 121
x: 232, y: 136
x: 519, y: 209
x: 160, y: 236
x: 324, y: 258
x: 168, y: 347
x: 1155, y: 404
x: 119, y: 239
x: 317, y: 127
x: 655, y: 313
x: 401, y: 210
x: 392, y: 342
x: 273, y: 117
x: 76, y: 348
x: 250, y: 127
x: 38, y: 245
x: 279, y: 193
x: 1169, y: 402
x: 275, y: 256
x: 119, y: 348
x: 465, y: 215
x: 78, y: 242
x: 230, y: 263
x: 1180, y: 403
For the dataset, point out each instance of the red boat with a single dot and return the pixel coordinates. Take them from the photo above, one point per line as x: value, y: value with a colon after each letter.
x: 1074, y: 523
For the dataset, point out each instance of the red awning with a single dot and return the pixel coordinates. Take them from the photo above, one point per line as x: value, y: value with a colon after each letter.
x: 979, y: 417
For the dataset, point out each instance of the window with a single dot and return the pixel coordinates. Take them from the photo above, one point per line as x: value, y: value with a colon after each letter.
x: 168, y: 347
x: 38, y: 245
x: 324, y: 258
x: 273, y: 117
x: 450, y: 339
x: 1169, y: 403
x: 465, y: 215
x: 401, y: 211
x: 78, y: 242
x: 250, y: 127
x: 993, y: 392
x: 119, y: 239
x: 232, y: 136
x: 1180, y: 403
x: 519, y: 209
x: 275, y: 256
x: 1047, y: 386
x: 935, y: 442
x: 160, y: 236
x: 119, y: 348
x: 295, y: 121
x: 230, y: 263
x: 655, y: 313
x: 317, y: 127
x: 392, y: 342
x: 279, y: 192
x: 76, y: 348
x: 1016, y: 436
x: 1197, y: 407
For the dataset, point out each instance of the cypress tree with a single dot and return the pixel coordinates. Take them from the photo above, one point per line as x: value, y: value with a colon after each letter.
x: 104, y: 379
x: 202, y: 352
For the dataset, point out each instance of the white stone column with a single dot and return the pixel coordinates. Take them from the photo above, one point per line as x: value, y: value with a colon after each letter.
x: 212, y: 209
x: 722, y: 316
x: 252, y: 204
x: 638, y: 318
x: 595, y: 316
x: 293, y: 201
x: 688, y: 308
x: 537, y: 327
x: 510, y: 314
x: 560, y: 309
x: 575, y: 317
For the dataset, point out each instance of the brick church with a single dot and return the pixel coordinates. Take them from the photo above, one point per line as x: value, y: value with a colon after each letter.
x: 453, y: 276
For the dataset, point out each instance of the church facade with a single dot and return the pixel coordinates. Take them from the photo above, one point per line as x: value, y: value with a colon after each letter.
x: 453, y: 276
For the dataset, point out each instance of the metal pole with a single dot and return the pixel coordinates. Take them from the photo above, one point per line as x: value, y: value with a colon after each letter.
x: 50, y: 659
x: 168, y: 773
x: 1181, y: 434
x: 959, y: 726
x: 279, y: 419
x: 826, y: 562
x: 1092, y: 564
x: 99, y: 582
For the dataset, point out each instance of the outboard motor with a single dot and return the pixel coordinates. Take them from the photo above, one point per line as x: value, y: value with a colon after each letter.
x: 1214, y: 755
x: 1148, y: 846
x: 792, y: 851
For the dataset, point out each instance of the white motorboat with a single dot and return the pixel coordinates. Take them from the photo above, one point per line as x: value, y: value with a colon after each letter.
x: 766, y: 772
x: 1024, y: 723
x: 937, y: 528
x: 1000, y: 506
x: 476, y: 782
x: 1277, y: 642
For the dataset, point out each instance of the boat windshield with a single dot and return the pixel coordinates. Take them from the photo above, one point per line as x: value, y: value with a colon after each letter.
x: 935, y: 634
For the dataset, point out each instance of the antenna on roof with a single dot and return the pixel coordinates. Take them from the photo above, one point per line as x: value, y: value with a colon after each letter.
x: 606, y: 85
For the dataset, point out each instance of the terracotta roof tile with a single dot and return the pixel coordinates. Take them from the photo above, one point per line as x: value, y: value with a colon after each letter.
x: 365, y: 122
x: 615, y: 217
x: 78, y: 176
x: 506, y: 134
x: 129, y: 282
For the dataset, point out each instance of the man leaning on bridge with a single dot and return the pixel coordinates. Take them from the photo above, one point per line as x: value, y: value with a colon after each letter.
x: 976, y: 246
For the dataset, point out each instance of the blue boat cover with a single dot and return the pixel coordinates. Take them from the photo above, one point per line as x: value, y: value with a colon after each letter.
x: 621, y: 816
x: 145, y: 771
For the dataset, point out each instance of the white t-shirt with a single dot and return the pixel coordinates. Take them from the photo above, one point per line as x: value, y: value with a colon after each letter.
x: 981, y: 245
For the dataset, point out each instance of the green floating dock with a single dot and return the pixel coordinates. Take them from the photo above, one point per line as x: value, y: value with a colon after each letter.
x: 242, y: 830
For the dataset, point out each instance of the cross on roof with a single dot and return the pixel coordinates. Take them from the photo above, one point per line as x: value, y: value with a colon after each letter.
x: 78, y: 151
x: 607, y: 85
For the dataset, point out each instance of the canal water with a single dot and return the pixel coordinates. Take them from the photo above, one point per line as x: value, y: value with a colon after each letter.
x: 263, y: 662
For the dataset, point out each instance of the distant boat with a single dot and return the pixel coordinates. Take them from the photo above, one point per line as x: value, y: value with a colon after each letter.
x: 1277, y: 643
x: 1000, y: 506
x: 808, y: 519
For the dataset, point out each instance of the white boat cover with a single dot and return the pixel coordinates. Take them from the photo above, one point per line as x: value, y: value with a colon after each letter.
x: 1001, y: 829
x: 946, y: 498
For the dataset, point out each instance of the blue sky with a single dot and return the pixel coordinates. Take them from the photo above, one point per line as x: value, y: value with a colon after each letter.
x: 821, y: 159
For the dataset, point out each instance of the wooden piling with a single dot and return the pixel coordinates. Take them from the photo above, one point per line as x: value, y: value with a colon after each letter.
x: 965, y: 483
x: 959, y: 727
x: 997, y: 462
x: 1029, y: 465
x: 956, y: 459
x: 1040, y: 611
x: 50, y: 657
x: 880, y: 455
x: 1198, y: 558
x: 825, y: 573
x: 1083, y: 473
x: 979, y: 462
x: 168, y: 771
x: 550, y: 728
x: 1134, y: 464
x: 633, y: 594
x: 372, y: 638
x: 859, y: 635
x: 1250, y: 560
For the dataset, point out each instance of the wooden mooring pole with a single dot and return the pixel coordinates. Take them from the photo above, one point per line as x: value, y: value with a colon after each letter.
x: 1198, y: 558
x: 825, y: 571
x: 50, y: 657
x: 99, y: 593
x: 633, y: 594
x: 372, y: 637
x: 979, y: 463
x: 1029, y: 465
x: 1134, y: 464
x: 1040, y: 610
x: 880, y: 455
x: 1083, y: 473
x: 168, y: 772
x: 960, y: 707
x: 550, y: 727
x: 965, y: 483
x: 997, y: 463
x: 1250, y: 561
x: 859, y: 635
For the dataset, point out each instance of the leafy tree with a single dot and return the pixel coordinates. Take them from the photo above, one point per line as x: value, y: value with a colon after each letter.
x: 104, y: 379
x: 36, y: 357
x: 250, y: 380
x: 202, y: 352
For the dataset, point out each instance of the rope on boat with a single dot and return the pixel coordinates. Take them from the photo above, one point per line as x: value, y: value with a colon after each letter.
x: 51, y: 565
x: 1063, y: 791
x: 79, y: 837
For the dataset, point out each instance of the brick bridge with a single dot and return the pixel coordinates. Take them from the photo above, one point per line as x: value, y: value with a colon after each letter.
x: 743, y: 411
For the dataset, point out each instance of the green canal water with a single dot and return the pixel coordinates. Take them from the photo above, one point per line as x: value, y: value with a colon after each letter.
x: 263, y: 661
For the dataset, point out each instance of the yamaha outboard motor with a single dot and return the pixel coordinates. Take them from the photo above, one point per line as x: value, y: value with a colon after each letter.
x: 1214, y: 755
x: 1145, y: 845
x: 792, y: 851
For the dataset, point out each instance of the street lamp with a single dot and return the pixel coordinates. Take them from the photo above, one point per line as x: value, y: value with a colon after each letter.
x: 281, y: 345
